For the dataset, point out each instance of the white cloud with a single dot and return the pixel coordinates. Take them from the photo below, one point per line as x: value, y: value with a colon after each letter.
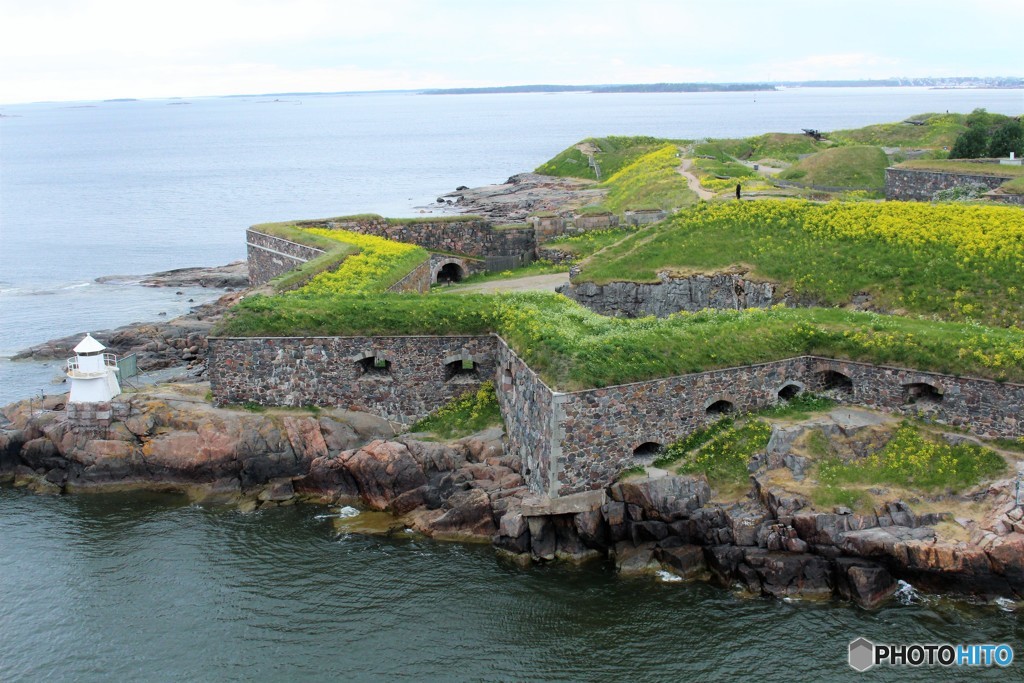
x: 75, y: 49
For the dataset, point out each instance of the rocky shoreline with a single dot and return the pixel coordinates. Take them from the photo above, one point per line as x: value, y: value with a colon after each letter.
x: 768, y: 541
x: 176, y: 343
x: 521, y: 195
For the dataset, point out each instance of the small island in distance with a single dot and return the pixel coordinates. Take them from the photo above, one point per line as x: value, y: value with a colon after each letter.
x: 971, y: 82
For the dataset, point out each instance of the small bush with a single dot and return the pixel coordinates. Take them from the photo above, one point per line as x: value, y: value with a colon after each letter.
x: 961, y: 193
x: 914, y: 461
x: 469, y: 413
x: 724, y: 458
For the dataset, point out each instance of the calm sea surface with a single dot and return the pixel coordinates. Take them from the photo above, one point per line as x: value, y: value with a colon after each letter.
x: 110, y: 588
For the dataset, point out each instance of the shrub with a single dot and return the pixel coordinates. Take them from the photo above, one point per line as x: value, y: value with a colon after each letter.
x: 910, y: 459
x: 469, y: 413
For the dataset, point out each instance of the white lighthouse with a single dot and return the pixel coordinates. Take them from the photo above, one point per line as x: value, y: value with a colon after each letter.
x: 93, y: 373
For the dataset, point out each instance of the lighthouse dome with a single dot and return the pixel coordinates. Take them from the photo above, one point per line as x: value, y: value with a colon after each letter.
x: 89, y: 345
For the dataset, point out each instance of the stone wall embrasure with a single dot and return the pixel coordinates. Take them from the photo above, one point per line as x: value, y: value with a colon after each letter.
x: 270, y: 256
x: 337, y: 371
x: 600, y: 428
x: 671, y: 295
x: 903, y: 184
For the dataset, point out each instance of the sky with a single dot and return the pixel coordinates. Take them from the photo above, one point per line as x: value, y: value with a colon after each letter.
x: 101, y: 49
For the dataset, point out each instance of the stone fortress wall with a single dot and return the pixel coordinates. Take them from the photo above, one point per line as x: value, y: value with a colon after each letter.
x: 577, y: 441
x: 400, y: 378
x: 270, y: 256
x: 904, y: 184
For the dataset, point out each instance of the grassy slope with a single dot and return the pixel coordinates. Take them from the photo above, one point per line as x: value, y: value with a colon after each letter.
x: 589, y: 242
x: 782, y: 146
x: 914, y: 257
x: 940, y: 130
x: 1015, y: 186
x: 859, y: 166
x: 615, y: 153
x: 574, y: 348
x: 650, y: 181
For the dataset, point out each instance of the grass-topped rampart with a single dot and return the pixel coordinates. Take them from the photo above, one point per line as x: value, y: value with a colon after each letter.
x: 611, y: 153
x: 334, y: 253
x: 957, y: 262
x: 961, y: 167
x: 935, y: 131
x: 858, y: 167
x: 379, y: 264
x: 575, y: 348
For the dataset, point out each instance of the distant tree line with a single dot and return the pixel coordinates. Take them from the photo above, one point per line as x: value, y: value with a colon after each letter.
x: 988, y: 135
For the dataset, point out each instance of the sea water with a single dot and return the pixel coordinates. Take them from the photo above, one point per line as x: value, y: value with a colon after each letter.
x: 143, y: 588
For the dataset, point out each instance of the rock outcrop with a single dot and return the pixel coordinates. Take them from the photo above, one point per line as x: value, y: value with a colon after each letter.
x: 674, y: 294
x: 771, y: 542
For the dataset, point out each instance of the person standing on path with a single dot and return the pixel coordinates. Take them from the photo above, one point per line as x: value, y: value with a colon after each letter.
x: 737, y: 190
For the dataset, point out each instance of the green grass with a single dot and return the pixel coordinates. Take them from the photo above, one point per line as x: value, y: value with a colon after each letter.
x: 964, y: 167
x: 574, y: 348
x: 363, y: 217
x: 336, y: 252
x: 860, y: 166
x: 729, y: 169
x: 651, y: 181
x: 914, y: 459
x: 1015, y: 186
x: 799, y: 244
x: 589, y: 242
x: 940, y: 130
x: 615, y: 153
x: 677, y: 450
x: 786, y: 147
x: 467, y: 414
x: 800, y: 407
x: 724, y: 457
x: 831, y: 495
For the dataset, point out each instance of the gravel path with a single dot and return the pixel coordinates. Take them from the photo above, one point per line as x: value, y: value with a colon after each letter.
x: 533, y: 283
x: 692, y: 181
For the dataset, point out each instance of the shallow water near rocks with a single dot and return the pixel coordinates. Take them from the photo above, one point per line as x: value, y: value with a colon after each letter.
x: 148, y: 587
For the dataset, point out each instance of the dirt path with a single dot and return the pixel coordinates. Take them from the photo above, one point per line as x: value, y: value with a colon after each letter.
x: 692, y: 181
x: 533, y: 283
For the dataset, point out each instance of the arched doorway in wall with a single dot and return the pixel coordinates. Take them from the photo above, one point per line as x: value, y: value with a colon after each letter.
x: 719, y: 408
x: 922, y: 394
x: 449, y: 273
x: 374, y: 367
x: 646, y: 452
x: 835, y: 383
x: 461, y: 370
x: 789, y: 391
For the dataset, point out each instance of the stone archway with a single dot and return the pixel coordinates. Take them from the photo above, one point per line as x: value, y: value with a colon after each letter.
x: 448, y: 270
x: 789, y: 391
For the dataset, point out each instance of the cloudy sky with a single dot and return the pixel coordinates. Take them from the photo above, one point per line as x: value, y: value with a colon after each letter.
x: 82, y: 49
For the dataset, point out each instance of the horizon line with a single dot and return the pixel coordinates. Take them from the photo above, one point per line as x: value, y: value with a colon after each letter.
x: 895, y: 81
